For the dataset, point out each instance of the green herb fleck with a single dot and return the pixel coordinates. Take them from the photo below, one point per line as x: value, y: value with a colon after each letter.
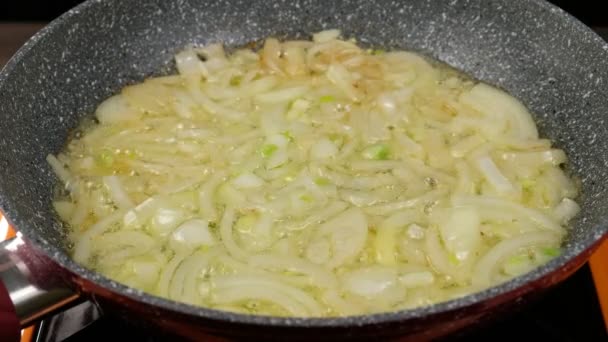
x: 327, y: 99
x: 518, y: 259
x: 306, y: 198
x: 378, y: 52
x: 106, y: 158
x: 287, y: 134
x: 527, y: 184
x: 235, y: 81
x: 377, y: 152
x: 268, y: 150
x: 336, y: 139
x: 551, y: 251
x: 322, y: 181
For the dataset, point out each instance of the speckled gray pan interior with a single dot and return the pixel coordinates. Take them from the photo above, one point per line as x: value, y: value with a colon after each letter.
x: 558, y: 67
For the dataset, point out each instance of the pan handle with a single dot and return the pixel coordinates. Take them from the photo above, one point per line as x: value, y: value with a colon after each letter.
x: 31, y: 287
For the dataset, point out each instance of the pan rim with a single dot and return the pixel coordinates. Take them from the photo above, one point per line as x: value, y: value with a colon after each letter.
x: 569, y: 260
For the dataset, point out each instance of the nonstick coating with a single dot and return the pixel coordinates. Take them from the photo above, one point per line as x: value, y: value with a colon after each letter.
x: 553, y: 63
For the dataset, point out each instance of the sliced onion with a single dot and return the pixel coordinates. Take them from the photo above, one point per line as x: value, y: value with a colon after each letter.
x: 487, y: 265
x: 348, y: 235
x: 192, y: 234
x: 566, y: 210
x: 338, y: 75
x: 259, y: 292
x: 247, y: 181
x: 206, y: 196
x: 319, y: 275
x: 417, y: 279
x: 281, y: 96
x: 460, y: 232
x: 189, y: 65
x: 115, y: 110
x: 226, y: 235
x: 167, y: 273
x: 64, y: 209
x: 323, y: 149
x: 62, y: 173
x: 247, y: 282
x: 117, y: 192
x: 493, y: 175
x: 516, y: 209
x: 82, y: 247
x: 325, y: 36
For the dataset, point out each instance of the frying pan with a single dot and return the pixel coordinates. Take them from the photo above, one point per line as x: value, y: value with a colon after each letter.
x: 535, y: 51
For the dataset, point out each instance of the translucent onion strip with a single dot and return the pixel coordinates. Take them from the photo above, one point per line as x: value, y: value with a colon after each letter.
x: 118, y: 193
x: 82, y: 247
x: 516, y: 209
x: 233, y: 295
x: 226, y: 225
x: 485, y: 268
x: 246, y: 282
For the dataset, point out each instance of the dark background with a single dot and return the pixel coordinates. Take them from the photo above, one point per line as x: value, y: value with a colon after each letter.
x: 590, y: 12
